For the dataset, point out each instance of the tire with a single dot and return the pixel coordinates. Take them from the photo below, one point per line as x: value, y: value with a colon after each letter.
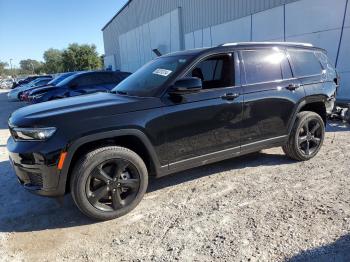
x: 122, y: 182
x: 306, y: 138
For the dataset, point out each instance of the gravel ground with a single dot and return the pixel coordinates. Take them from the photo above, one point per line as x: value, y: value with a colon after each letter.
x: 262, y: 207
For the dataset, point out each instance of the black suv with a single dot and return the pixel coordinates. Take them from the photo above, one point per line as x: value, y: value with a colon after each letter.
x: 177, y: 112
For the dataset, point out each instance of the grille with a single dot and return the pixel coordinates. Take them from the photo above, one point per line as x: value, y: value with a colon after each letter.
x: 35, y: 179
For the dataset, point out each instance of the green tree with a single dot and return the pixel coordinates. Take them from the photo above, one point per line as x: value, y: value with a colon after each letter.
x: 31, y: 66
x: 2, y: 67
x: 80, y: 57
x: 53, y: 61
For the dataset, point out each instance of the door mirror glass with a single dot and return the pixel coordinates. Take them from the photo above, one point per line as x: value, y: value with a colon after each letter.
x: 186, y: 85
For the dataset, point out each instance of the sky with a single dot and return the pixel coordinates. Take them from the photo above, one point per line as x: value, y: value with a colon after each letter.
x: 29, y: 27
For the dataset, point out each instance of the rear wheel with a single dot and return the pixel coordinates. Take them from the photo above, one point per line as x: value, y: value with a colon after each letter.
x: 109, y: 182
x: 306, y: 138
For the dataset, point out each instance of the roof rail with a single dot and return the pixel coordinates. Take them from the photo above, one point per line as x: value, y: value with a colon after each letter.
x: 267, y: 43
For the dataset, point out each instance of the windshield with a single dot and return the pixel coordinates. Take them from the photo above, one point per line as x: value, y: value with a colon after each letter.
x: 147, y: 81
x: 60, y: 78
x: 42, y: 82
x: 67, y: 80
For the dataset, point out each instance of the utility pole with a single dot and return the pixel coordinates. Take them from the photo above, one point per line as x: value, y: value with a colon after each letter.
x: 32, y: 67
x: 11, y: 66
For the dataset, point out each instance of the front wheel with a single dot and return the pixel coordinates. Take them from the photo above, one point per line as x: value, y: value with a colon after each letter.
x: 109, y: 182
x: 306, y: 138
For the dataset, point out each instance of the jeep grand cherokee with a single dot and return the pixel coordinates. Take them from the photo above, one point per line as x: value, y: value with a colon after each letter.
x: 177, y: 112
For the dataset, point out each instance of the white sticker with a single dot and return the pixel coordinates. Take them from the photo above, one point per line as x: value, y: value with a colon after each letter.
x: 162, y: 72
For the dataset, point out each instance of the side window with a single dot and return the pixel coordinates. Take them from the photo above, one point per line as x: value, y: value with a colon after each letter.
x: 305, y: 63
x: 215, y: 72
x: 81, y: 80
x: 106, y: 79
x: 265, y: 66
x: 330, y: 69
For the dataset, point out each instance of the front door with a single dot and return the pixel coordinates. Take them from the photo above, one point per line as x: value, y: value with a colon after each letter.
x: 206, y: 125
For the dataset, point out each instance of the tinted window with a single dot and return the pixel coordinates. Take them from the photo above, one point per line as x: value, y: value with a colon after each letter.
x: 90, y: 79
x: 265, y: 66
x: 326, y: 64
x: 69, y: 80
x: 41, y: 82
x: 60, y: 78
x: 111, y: 78
x: 214, y: 72
x: 305, y: 63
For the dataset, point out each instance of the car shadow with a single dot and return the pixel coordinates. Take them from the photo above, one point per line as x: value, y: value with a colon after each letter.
x: 22, y: 211
x: 337, y: 251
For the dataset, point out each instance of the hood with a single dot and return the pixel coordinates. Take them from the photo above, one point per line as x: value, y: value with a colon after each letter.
x: 41, y: 89
x: 77, y: 108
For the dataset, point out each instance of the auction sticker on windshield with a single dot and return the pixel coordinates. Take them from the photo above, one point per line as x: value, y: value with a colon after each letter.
x: 162, y: 72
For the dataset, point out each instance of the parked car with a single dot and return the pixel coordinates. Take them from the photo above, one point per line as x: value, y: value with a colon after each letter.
x: 23, y: 96
x: 28, y: 80
x: 179, y: 111
x: 78, y: 84
x: 14, y: 94
x: 6, y: 83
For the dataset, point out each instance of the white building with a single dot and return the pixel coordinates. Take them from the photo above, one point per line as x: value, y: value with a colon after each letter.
x: 172, y: 25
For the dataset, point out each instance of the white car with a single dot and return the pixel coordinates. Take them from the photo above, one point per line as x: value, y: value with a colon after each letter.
x: 6, y: 83
x: 13, y: 95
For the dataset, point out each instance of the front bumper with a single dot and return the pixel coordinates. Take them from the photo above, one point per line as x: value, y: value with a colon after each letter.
x: 35, y: 169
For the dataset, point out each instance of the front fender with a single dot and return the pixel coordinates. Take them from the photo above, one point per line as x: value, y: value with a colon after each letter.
x: 72, y: 148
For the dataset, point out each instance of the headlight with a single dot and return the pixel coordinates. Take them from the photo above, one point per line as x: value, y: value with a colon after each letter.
x: 32, y: 133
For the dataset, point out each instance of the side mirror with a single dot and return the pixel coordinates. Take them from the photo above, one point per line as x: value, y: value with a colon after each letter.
x: 187, y: 85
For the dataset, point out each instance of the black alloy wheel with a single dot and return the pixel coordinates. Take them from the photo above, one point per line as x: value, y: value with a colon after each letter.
x: 310, y: 137
x: 109, y: 182
x: 112, y: 185
x: 306, y: 137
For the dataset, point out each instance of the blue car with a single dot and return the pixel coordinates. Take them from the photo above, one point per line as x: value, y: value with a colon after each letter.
x: 23, y: 96
x: 78, y: 84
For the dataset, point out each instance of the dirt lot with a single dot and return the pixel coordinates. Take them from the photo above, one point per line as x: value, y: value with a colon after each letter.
x: 263, y: 207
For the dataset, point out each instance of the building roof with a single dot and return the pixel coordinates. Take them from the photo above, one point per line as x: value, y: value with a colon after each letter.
x: 121, y: 10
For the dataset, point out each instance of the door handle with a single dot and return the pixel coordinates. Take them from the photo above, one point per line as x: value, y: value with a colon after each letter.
x: 230, y: 96
x: 293, y: 87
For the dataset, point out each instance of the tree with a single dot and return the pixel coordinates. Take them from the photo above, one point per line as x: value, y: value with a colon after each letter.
x: 80, y: 57
x: 53, y: 61
x: 31, y: 66
x: 2, y: 67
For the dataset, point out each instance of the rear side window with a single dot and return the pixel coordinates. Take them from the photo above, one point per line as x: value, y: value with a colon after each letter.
x: 89, y: 80
x: 305, y: 63
x: 265, y: 65
x: 326, y: 64
x: 106, y: 78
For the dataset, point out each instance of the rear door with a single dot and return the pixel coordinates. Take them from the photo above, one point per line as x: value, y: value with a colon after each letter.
x: 270, y: 96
